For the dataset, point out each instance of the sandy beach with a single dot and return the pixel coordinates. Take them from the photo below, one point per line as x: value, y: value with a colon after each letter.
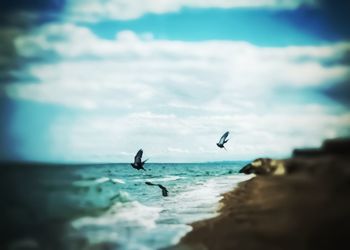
x: 306, y: 208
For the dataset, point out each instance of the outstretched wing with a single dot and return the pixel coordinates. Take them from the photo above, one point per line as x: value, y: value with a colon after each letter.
x: 223, y: 138
x: 138, y: 156
x: 164, y: 190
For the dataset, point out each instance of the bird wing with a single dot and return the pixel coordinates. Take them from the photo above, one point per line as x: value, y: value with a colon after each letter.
x: 223, y: 138
x: 164, y: 190
x: 138, y: 156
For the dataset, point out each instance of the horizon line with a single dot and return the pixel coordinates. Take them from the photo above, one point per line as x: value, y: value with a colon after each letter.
x: 20, y: 162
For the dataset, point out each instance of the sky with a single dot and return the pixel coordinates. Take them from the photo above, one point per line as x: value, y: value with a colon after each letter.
x: 94, y: 81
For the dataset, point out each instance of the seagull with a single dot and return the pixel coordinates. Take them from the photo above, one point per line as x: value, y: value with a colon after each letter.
x: 164, y: 190
x: 138, y: 164
x: 223, y: 140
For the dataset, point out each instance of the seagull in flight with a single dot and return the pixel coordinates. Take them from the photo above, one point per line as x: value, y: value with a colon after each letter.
x: 223, y: 140
x: 138, y: 163
x: 164, y: 190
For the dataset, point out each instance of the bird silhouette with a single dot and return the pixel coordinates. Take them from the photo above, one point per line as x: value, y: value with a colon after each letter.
x: 223, y: 140
x: 138, y: 163
x: 164, y: 190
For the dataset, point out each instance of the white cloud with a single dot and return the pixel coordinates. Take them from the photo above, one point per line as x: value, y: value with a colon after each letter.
x: 133, y: 71
x: 174, y: 138
x: 94, y: 10
x: 174, y: 98
x: 178, y: 150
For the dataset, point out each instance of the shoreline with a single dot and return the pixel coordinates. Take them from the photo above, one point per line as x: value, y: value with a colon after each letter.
x: 308, y: 208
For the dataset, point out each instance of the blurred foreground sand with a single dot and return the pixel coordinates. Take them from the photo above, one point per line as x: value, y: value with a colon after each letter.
x: 307, y: 208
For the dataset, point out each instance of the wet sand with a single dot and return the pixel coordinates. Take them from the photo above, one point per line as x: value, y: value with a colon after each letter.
x: 307, y: 208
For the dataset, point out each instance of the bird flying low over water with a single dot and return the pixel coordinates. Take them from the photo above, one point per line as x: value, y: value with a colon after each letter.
x: 164, y: 190
x: 138, y: 163
x: 223, y: 140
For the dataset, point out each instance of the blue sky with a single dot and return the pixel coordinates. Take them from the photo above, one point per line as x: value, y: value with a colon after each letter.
x: 97, y: 80
x: 264, y: 27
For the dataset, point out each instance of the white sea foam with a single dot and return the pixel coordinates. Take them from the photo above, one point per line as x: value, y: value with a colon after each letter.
x: 130, y: 213
x: 115, y: 225
x: 120, y: 181
x: 153, y: 221
x: 167, y: 178
x: 85, y: 183
x: 157, y: 179
x: 201, y: 200
x: 102, y: 180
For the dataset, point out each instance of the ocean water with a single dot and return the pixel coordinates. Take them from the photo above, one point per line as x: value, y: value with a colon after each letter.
x: 109, y: 206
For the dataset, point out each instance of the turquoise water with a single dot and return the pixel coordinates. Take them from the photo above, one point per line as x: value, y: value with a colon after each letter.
x: 109, y: 204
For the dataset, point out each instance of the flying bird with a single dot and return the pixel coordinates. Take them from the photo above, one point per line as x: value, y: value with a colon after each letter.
x: 164, y: 190
x: 138, y: 163
x: 223, y: 140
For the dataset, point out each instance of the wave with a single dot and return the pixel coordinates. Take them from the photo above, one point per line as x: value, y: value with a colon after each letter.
x: 140, y: 218
x: 200, y: 200
x: 120, y: 181
x: 122, y: 214
x: 159, y: 178
x: 97, y: 181
x: 91, y: 182
x: 115, y: 225
x: 167, y: 178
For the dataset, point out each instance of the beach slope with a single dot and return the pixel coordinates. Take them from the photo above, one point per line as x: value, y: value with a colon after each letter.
x: 307, y: 207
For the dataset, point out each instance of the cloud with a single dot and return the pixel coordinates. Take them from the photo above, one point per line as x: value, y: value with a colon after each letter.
x: 134, y: 71
x: 175, y: 138
x: 178, y: 150
x: 97, y: 10
x: 16, y: 18
x: 173, y: 98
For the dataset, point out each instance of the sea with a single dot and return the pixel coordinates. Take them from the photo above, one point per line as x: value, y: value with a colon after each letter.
x: 108, y: 206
